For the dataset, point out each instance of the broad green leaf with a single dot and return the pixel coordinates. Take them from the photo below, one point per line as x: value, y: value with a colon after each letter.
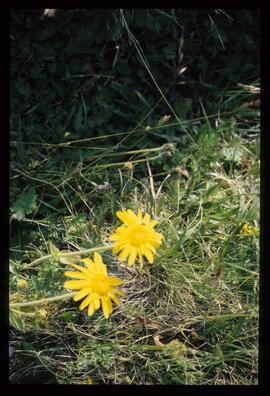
x: 233, y: 154
x: 25, y: 204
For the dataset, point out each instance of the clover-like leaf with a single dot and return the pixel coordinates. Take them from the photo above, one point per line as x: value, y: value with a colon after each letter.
x: 26, y: 203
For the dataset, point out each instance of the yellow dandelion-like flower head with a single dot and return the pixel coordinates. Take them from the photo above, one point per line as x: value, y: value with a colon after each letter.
x: 129, y: 165
x: 245, y: 229
x: 136, y: 238
x: 22, y: 283
x: 249, y: 230
x: 94, y: 285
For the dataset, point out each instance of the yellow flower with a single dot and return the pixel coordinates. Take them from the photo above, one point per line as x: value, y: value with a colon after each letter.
x: 95, y: 285
x: 21, y: 283
x: 245, y: 229
x: 42, y: 313
x: 129, y: 165
x: 249, y: 230
x: 136, y: 237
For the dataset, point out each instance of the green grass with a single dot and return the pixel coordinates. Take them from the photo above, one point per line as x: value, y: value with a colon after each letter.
x: 192, y: 316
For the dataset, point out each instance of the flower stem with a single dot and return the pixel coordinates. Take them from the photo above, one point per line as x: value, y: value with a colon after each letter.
x: 149, y: 150
x: 95, y: 249
x: 44, y: 300
x: 123, y: 163
x: 24, y: 313
x: 39, y: 260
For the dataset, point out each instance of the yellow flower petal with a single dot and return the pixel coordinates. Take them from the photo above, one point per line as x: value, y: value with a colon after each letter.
x: 76, y: 285
x: 119, y: 247
x: 147, y: 253
x: 124, y: 254
x: 80, y: 268
x: 96, y: 302
x: 150, y: 247
x: 121, y: 230
x: 140, y: 216
x: 155, y: 241
x: 119, y: 233
x: 132, y: 257
x: 115, y: 281
x: 82, y: 293
x: 118, y: 292
x: 87, y: 301
x: 132, y: 216
x: 106, y: 306
x: 146, y: 218
x: 76, y: 275
x: 114, y: 298
x: 90, y: 310
x: 113, y: 237
x: 124, y: 217
x: 99, y: 264
x: 87, y: 261
x: 97, y: 258
x: 152, y: 223
x: 141, y: 260
x: 121, y: 242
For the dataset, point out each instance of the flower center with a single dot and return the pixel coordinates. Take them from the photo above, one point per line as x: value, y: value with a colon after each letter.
x: 100, y: 284
x: 137, y: 235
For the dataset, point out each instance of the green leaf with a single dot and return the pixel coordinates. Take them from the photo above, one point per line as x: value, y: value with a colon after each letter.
x: 16, y: 320
x: 233, y: 154
x: 25, y: 204
x: 68, y: 316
